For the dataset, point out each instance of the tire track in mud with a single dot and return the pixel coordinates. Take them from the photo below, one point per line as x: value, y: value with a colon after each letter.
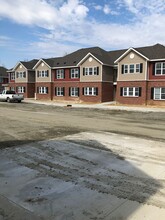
x: 49, y: 158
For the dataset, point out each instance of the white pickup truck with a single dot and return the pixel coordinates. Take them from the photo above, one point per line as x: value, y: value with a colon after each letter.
x: 10, y: 96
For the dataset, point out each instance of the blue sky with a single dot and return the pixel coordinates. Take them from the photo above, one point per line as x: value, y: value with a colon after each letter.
x: 49, y: 28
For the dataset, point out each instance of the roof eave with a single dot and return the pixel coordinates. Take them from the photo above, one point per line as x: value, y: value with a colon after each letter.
x: 41, y: 60
x: 18, y: 64
x: 157, y: 59
x: 89, y: 54
x: 130, y: 49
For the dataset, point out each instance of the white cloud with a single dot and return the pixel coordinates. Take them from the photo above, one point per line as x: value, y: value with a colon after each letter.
x: 42, y: 13
x: 107, y: 9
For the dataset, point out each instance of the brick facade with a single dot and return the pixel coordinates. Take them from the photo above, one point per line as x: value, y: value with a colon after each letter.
x: 47, y: 96
x: 132, y: 100
x: 29, y: 88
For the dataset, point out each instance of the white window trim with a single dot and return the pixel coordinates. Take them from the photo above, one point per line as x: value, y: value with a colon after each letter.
x: 92, y: 70
x: 158, y: 94
x: 126, y: 91
x: 74, y: 91
x: 59, y: 91
x: 60, y: 74
x: 90, y: 91
x: 43, y: 73
x: 161, y: 68
x: 42, y: 90
x: 21, y: 74
x: 74, y: 73
x: 21, y: 89
x: 128, y: 68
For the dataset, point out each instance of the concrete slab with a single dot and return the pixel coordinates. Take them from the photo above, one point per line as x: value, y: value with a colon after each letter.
x: 85, y: 176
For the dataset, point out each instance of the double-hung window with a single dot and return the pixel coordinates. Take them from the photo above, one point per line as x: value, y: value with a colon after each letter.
x: 88, y: 71
x: 12, y: 76
x: 132, y: 68
x: 160, y: 68
x: 74, y: 91
x: 43, y: 90
x: 90, y: 91
x: 59, y: 91
x: 60, y: 74
x: 74, y: 73
x: 43, y: 73
x: 21, y: 74
x: 21, y: 89
x: 159, y: 93
x: 131, y: 91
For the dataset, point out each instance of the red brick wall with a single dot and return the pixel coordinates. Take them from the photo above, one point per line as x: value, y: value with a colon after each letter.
x: 154, y: 77
x: 66, y: 85
x: 30, y: 90
x: 44, y: 96
x: 132, y: 100
x: 154, y: 85
x: 67, y: 76
x: 97, y: 98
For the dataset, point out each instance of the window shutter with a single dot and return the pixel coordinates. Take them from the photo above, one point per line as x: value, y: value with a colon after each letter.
x: 153, y: 70
x: 24, y: 89
x: 17, y: 74
x: 55, y: 91
x: 78, y: 91
x: 152, y: 93
x: 141, y: 67
x: 70, y: 73
x: 37, y: 89
x: 140, y: 91
x: 38, y: 73
x: 47, y: 90
x: 97, y: 70
x: 64, y: 73
x: 83, y: 71
x: 24, y: 74
x: 97, y: 91
x: 47, y: 73
x: 16, y: 89
x: 63, y: 91
x: 121, y: 91
x: 83, y: 90
x: 69, y: 91
x: 122, y: 69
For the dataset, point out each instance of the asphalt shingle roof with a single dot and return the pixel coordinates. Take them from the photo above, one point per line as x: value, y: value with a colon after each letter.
x: 29, y: 64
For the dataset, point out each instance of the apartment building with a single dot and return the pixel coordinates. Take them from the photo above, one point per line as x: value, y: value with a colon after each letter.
x: 3, y: 78
x: 22, y: 78
x: 133, y: 76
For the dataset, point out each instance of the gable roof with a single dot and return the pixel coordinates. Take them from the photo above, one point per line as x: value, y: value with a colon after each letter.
x: 29, y: 64
x: 3, y: 72
x: 155, y: 52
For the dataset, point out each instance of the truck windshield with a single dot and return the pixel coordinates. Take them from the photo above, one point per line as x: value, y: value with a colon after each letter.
x: 10, y: 92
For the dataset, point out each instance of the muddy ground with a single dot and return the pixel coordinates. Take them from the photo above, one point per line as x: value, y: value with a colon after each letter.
x: 66, y: 163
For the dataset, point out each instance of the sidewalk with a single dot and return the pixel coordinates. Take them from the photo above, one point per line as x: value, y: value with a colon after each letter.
x: 104, y: 106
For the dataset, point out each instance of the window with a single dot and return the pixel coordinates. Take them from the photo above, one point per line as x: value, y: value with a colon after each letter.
x: 43, y: 73
x: 43, y: 90
x: 59, y: 91
x: 12, y: 88
x: 131, y: 91
x: 91, y: 91
x: 88, y: 71
x: 21, y: 74
x: 20, y: 89
x: 12, y: 76
x: 74, y: 91
x: 74, y: 73
x: 132, y: 68
x: 159, y: 68
x: 60, y: 74
x: 159, y: 93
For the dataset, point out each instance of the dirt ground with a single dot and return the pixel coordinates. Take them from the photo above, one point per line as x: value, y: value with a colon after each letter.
x: 66, y: 163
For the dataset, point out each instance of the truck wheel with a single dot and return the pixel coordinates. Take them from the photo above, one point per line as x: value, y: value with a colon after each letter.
x: 19, y: 101
x: 8, y: 99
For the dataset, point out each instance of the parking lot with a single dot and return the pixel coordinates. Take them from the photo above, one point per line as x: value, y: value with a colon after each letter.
x: 73, y: 163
